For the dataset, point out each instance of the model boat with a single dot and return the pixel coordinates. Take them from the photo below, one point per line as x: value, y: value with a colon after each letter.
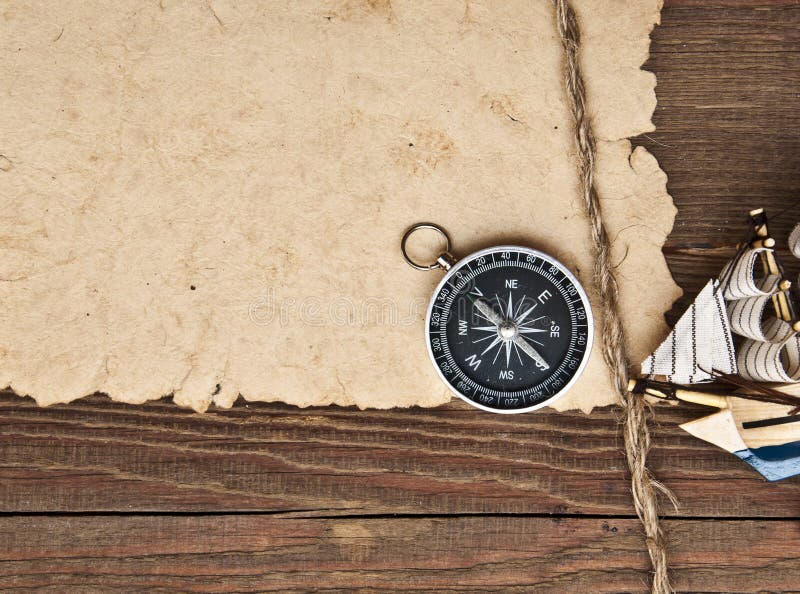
x: 737, y: 349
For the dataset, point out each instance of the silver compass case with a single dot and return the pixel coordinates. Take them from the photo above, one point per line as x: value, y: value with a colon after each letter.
x: 509, y: 329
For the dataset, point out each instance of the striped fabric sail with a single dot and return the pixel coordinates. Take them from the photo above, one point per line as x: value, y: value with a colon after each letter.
x: 741, y: 302
x: 747, y: 318
x: 794, y: 245
x: 740, y: 281
x: 770, y: 362
x: 699, y: 343
x: 794, y: 241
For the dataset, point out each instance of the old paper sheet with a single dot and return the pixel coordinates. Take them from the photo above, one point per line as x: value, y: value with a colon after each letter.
x: 206, y: 199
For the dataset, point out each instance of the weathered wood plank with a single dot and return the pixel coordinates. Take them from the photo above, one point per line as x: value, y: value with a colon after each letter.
x: 96, y: 455
x: 727, y: 123
x: 717, y: 4
x: 249, y: 553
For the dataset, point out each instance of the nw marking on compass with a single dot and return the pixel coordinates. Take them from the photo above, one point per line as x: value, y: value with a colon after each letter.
x: 506, y: 330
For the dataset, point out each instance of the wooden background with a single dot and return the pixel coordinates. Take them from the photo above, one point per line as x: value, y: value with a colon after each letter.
x: 97, y: 495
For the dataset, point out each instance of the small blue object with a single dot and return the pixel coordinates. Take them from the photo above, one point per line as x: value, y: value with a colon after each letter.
x: 775, y: 462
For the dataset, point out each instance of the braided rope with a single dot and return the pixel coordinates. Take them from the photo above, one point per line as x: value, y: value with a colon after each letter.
x: 636, y: 411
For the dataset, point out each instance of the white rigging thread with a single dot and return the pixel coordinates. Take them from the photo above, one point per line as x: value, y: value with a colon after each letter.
x: 699, y: 343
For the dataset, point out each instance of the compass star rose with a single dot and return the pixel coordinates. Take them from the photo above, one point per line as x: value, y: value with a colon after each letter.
x: 506, y: 330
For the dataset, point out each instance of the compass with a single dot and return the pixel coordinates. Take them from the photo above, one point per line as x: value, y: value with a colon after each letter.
x: 509, y: 329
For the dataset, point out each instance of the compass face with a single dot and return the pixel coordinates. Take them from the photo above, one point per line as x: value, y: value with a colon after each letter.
x: 509, y: 329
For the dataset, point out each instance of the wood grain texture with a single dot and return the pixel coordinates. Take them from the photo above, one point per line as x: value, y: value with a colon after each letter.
x: 98, y: 495
x: 727, y: 122
x: 97, y: 455
x: 259, y: 553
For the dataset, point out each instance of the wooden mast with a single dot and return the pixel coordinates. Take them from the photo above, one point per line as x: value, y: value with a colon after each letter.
x: 663, y: 392
x: 781, y: 300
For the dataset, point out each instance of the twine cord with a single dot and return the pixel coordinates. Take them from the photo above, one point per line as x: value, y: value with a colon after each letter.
x: 635, y: 411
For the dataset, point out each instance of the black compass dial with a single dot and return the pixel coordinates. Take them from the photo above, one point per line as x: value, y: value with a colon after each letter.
x: 509, y: 329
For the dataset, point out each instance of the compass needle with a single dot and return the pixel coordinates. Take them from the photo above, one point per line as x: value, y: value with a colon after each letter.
x: 483, y: 317
x: 528, y: 349
x: 487, y: 311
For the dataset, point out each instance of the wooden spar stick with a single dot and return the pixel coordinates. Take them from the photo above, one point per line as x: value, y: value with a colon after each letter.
x: 672, y: 392
x: 780, y: 300
x: 664, y: 392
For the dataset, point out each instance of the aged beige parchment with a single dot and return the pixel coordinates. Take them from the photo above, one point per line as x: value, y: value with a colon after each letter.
x: 206, y: 199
